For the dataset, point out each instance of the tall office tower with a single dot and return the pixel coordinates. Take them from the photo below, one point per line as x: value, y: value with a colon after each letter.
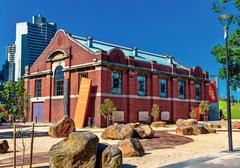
x: 10, y: 55
x: 5, y: 71
x: 31, y: 40
x: 1, y: 82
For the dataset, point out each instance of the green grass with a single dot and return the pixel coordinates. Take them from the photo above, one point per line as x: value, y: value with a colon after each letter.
x: 235, y: 108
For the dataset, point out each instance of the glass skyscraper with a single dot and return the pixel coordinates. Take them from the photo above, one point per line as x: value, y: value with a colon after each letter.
x: 31, y: 40
x: 10, y: 55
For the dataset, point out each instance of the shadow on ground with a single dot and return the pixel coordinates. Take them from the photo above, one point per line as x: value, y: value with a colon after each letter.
x: 128, y: 166
x: 20, y: 125
x: 163, y: 140
x: 24, y: 134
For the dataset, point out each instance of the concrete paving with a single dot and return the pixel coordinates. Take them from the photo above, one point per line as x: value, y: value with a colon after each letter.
x: 218, y: 160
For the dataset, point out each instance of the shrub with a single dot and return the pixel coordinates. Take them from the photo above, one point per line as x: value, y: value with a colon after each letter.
x: 106, y: 109
x: 193, y: 113
x: 155, y: 112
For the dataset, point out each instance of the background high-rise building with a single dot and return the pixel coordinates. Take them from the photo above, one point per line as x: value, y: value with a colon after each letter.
x: 1, y: 80
x: 10, y: 56
x: 31, y: 40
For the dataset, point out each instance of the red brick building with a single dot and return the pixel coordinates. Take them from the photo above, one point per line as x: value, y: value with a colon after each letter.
x: 134, y: 80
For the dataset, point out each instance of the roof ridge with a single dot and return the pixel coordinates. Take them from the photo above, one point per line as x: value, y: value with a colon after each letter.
x: 123, y: 47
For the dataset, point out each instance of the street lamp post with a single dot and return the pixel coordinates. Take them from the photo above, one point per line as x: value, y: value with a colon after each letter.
x: 226, y: 21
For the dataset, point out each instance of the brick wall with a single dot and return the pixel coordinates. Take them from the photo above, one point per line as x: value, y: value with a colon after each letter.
x: 128, y: 102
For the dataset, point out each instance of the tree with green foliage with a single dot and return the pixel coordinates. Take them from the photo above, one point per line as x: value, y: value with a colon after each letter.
x: 106, y: 110
x: 155, y: 112
x: 193, y: 113
x: 219, y: 51
x: 204, y: 108
x: 15, y: 100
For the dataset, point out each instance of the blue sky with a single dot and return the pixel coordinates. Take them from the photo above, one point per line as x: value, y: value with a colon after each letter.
x: 185, y: 29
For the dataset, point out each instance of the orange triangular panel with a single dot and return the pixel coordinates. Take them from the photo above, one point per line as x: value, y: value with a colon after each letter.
x: 82, y: 103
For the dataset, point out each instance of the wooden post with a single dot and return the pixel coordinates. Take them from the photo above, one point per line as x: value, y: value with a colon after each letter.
x: 66, y: 97
x: 31, y: 149
x: 14, y: 145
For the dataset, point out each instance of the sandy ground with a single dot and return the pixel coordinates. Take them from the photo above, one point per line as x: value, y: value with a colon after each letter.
x: 201, y: 146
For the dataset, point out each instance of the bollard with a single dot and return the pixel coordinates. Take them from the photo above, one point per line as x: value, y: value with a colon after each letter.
x: 31, y: 149
x: 14, y: 145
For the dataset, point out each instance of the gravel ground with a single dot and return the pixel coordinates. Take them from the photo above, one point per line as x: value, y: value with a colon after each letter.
x: 166, y: 148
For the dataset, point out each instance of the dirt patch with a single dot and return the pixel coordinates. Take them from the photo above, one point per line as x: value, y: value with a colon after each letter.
x: 163, y: 140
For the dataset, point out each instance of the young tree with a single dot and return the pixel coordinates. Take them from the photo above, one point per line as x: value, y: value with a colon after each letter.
x: 15, y: 99
x: 204, y: 108
x: 219, y: 51
x: 106, y: 109
x: 155, y: 112
x: 193, y: 113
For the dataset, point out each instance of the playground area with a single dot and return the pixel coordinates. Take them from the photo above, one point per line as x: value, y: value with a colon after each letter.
x: 165, y: 144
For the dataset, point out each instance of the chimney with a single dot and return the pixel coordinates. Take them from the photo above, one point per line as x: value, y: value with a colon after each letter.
x: 135, y: 51
x: 89, y: 41
x: 27, y: 70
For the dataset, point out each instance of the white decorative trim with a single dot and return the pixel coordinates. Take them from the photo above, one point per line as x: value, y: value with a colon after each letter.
x: 37, y: 99
x: 40, y: 99
x: 81, y: 65
x: 57, y: 97
x: 141, y: 97
x: 45, y: 71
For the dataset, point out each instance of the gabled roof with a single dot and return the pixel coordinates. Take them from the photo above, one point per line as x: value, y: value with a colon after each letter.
x: 97, y: 46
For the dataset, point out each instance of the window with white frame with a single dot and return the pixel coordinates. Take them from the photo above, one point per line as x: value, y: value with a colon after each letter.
x: 141, y: 86
x: 163, y: 87
x: 181, y: 90
x: 58, y: 81
x: 38, y: 88
x: 116, y: 83
x: 198, y: 91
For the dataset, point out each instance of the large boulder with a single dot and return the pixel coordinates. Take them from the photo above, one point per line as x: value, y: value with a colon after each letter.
x: 211, y: 130
x: 158, y: 124
x: 186, y: 131
x: 108, y: 156
x: 235, y: 125
x: 78, y: 151
x: 62, y: 128
x: 134, y: 125
x: 144, y: 131
x: 4, y: 146
x: 118, y: 132
x: 200, y: 129
x: 187, y: 122
x: 131, y: 147
x: 210, y: 125
x: 179, y: 123
x: 216, y: 126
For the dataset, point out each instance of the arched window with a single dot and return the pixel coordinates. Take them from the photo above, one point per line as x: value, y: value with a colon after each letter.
x: 58, y: 81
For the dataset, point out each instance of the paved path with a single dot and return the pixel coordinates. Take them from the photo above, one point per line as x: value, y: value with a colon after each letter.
x: 219, y: 160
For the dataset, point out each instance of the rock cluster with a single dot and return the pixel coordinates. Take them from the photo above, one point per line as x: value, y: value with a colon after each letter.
x: 82, y: 150
x: 77, y: 150
x: 158, y: 124
x: 131, y: 147
x: 235, y: 125
x: 108, y: 156
x: 187, y: 122
x: 191, y: 127
x: 62, y: 128
x: 127, y: 131
x: 144, y: 131
x: 4, y: 146
x: 118, y: 131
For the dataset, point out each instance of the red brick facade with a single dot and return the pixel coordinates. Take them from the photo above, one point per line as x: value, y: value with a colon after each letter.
x: 77, y: 58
